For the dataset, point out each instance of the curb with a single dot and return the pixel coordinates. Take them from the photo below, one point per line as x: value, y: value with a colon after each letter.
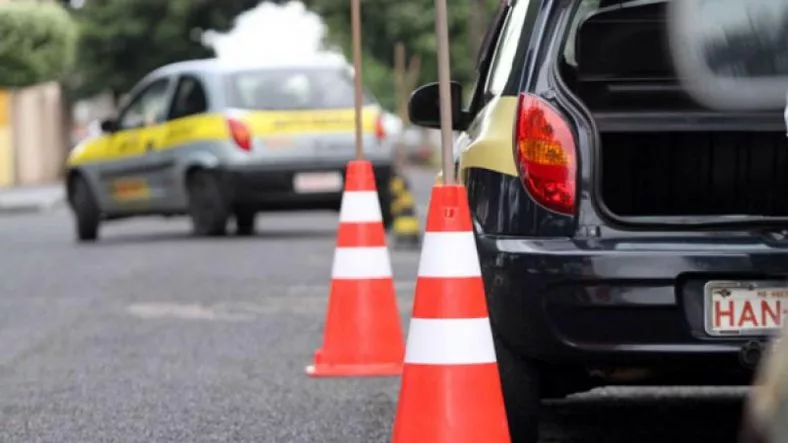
x: 30, y: 207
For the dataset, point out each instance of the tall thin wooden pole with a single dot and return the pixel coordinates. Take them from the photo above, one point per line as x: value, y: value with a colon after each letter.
x: 399, y: 79
x: 399, y: 88
x: 355, y: 9
x: 444, y: 85
x: 476, y: 25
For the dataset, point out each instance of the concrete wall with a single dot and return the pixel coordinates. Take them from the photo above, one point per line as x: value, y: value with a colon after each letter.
x: 88, y: 113
x: 32, y: 139
x: 39, y: 142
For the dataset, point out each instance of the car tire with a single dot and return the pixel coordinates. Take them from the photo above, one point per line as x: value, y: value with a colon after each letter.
x: 520, y: 382
x: 208, y: 206
x: 86, y: 210
x: 245, y: 222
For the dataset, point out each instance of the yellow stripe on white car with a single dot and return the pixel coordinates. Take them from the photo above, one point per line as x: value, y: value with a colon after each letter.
x: 207, y: 127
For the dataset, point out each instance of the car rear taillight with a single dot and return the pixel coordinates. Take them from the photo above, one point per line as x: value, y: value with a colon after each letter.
x: 380, y: 129
x: 240, y: 134
x: 546, y: 155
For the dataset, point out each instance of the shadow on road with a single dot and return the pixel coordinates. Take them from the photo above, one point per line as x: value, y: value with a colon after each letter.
x: 657, y: 420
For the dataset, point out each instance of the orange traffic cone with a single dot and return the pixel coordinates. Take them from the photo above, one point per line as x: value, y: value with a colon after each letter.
x: 451, y: 390
x: 363, y: 335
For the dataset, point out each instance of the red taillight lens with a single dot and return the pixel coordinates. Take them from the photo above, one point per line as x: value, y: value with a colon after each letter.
x: 240, y: 134
x: 546, y: 155
x: 380, y: 129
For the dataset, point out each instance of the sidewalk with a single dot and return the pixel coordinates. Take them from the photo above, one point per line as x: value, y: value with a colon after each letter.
x: 28, y: 199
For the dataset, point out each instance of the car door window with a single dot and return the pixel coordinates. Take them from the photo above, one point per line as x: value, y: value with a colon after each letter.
x: 146, y: 108
x: 190, y: 98
x: 489, y: 43
x: 503, y: 58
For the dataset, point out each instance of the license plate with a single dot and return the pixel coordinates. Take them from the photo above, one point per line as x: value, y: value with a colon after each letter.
x: 745, y: 308
x: 317, y: 182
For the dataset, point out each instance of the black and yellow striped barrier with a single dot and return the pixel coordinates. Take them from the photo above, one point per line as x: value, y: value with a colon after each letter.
x: 406, y: 229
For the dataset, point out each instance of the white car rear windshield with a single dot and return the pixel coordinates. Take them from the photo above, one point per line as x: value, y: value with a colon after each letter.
x: 288, y: 89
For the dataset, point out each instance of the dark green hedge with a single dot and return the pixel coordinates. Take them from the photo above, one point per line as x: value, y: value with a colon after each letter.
x: 37, y: 42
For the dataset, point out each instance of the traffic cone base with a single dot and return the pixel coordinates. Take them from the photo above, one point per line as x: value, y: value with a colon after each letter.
x: 451, y: 389
x: 363, y: 333
x: 429, y: 422
x: 450, y: 372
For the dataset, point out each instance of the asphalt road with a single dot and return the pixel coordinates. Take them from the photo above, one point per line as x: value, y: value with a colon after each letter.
x: 151, y: 335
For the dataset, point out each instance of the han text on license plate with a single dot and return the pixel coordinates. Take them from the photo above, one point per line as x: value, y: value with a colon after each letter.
x: 745, y: 308
x: 308, y: 182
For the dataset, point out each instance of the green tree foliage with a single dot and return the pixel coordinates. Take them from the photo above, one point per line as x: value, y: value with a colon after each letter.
x: 385, y: 22
x: 37, y: 43
x: 122, y: 40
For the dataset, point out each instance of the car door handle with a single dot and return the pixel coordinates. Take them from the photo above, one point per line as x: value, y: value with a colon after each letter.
x: 149, y: 146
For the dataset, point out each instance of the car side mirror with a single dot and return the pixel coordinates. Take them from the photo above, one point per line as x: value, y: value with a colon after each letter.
x: 109, y: 126
x: 424, y: 107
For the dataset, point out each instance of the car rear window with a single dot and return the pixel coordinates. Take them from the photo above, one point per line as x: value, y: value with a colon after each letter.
x: 600, y: 29
x: 616, y: 56
x: 284, y: 89
x: 585, y: 8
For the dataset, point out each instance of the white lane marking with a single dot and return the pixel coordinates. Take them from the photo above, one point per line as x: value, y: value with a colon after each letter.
x: 449, y: 254
x: 396, y: 257
x: 303, y: 300
x: 358, y: 263
x: 183, y: 311
x: 360, y: 207
x: 455, y: 341
x: 399, y: 285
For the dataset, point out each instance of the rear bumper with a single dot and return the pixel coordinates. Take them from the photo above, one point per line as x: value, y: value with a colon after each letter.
x: 270, y: 187
x: 599, y: 303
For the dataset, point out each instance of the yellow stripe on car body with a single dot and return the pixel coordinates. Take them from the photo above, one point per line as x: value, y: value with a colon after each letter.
x: 492, y: 145
x: 207, y: 127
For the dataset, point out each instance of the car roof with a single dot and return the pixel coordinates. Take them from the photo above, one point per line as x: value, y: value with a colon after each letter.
x: 223, y: 67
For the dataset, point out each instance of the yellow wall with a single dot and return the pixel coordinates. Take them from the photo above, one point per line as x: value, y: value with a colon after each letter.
x: 6, y: 151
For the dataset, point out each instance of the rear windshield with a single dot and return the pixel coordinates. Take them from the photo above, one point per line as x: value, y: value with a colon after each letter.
x: 588, y: 8
x: 282, y: 89
x: 585, y: 8
x: 616, y: 56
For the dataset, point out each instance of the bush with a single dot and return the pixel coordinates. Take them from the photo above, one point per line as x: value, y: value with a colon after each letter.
x: 37, y: 42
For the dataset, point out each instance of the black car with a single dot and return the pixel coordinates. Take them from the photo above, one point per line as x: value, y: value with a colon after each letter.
x: 627, y: 234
